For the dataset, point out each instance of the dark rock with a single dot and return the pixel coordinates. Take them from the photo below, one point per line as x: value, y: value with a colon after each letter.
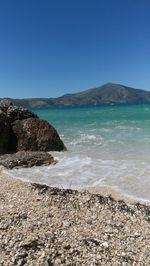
x: 4, y: 132
x: 18, y: 113
x: 34, y: 134
x: 12, y: 143
x: 21, y: 129
x: 20, y: 258
x: 5, y: 104
x: 26, y: 159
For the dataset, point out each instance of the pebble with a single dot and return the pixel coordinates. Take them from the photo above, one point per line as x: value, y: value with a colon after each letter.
x: 105, y: 244
x: 52, y: 231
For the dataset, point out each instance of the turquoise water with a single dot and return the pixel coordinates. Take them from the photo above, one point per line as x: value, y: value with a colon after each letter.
x: 107, y: 145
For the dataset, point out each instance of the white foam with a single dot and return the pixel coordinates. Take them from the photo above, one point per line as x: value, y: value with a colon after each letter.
x: 80, y: 172
x: 116, y: 155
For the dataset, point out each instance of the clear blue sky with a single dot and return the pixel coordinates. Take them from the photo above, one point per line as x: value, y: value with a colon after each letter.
x: 52, y: 47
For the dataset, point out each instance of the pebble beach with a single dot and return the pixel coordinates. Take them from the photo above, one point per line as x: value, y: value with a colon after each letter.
x: 40, y: 225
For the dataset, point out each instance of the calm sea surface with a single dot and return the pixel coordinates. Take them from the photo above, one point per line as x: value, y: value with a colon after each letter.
x: 108, y: 145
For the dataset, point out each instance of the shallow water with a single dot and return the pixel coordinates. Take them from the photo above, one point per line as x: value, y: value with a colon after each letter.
x: 108, y: 145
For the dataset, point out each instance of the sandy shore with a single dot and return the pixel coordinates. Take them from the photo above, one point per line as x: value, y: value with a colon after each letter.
x: 48, y: 226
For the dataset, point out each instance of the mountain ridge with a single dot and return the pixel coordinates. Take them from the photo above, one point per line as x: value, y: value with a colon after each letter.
x: 108, y: 93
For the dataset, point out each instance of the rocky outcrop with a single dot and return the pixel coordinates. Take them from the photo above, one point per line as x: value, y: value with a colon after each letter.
x: 5, y: 104
x: 26, y: 159
x: 21, y: 129
x: 18, y: 113
x: 35, y: 134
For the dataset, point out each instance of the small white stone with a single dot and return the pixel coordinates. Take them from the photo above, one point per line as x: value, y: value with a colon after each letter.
x: 105, y: 244
x: 57, y: 261
x: 123, y: 254
x: 99, y: 257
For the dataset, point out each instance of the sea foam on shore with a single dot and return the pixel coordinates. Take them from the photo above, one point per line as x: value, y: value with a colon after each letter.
x: 106, y: 146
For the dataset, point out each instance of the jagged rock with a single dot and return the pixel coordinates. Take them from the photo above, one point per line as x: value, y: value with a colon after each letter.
x: 34, y: 134
x: 4, y: 132
x: 18, y: 113
x: 26, y: 159
x: 5, y: 104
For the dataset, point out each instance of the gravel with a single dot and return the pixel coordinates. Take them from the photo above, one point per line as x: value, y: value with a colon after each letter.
x: 40, y: 225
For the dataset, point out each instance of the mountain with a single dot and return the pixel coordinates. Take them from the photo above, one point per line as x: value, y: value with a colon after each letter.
x: 106, y: 94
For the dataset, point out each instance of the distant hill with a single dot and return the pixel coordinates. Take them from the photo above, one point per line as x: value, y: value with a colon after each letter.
x: 106, y: 94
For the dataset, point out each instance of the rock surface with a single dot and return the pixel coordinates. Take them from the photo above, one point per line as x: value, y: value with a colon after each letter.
x: 18, y: 113
x: 35, y: 134
x: 4, y: 132
x: 21, y: 129
x: 5, y: 104
x: 26, y: 159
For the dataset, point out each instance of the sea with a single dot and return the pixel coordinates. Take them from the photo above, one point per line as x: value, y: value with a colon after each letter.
x: 106, y: 146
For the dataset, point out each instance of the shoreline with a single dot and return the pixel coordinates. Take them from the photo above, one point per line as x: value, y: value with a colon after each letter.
x: 117, y: 194
x: 104, y: 190
x: 41, y: 225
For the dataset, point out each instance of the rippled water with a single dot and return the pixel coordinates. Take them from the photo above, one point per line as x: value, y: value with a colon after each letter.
x: 108, y: 145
